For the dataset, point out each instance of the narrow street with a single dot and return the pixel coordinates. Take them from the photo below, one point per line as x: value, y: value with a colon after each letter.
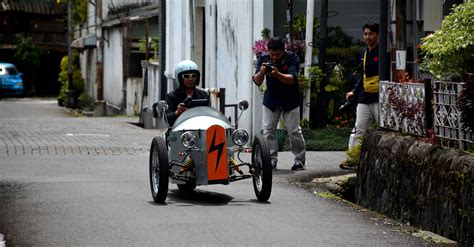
x: 80, y: 181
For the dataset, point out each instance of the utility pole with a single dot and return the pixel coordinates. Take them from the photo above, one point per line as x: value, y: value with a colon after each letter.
x: 99, y: 105
x: 401, y: 37
x: 308, y: 55
x: 384, y: 61
x: 70, y: 102
x: 318, y: 112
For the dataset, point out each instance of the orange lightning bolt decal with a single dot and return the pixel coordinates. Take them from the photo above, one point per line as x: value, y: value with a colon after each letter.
x: 216, y: 153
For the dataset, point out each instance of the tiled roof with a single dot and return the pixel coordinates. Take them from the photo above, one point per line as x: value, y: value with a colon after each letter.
x: 46, y: 7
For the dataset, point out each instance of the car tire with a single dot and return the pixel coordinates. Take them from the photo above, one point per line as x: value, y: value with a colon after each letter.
x: 262, y: 176
x: 159, y: 169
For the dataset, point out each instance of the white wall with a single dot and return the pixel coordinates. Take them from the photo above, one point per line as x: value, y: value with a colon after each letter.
x: 231, y: 27
x: 178, y: 37
x: 113, y: 81
x: 234, y: 53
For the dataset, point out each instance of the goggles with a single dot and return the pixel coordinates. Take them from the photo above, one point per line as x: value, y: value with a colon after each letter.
x: 187, y: 76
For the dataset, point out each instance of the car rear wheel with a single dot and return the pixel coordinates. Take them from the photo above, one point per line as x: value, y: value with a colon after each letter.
x: 262, y: 177
x: 159, y: 171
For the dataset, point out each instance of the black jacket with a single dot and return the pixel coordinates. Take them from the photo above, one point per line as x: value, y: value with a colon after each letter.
x: 177, y: 96
x: 371, y: 69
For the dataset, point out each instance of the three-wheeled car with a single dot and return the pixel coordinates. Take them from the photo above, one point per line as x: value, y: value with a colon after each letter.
x: 202, y: 148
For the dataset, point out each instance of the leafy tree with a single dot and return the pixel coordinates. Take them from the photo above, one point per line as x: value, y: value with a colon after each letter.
x: 448, y: 53
x: 27, y: 57
x: 25, y: 52
x: 79, y: 10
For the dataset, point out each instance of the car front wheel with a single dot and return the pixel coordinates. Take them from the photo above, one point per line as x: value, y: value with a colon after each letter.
x: 262, y: 177
x: 159, y: 171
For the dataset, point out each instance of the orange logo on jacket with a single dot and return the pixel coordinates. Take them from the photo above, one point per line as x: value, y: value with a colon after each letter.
x: 216, y: 153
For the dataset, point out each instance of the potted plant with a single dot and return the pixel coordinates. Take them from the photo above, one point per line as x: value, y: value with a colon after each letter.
x: 260, y: 46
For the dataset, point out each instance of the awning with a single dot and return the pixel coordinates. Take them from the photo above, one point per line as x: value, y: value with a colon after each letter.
x: 86, y: 42
x: 44, y: 7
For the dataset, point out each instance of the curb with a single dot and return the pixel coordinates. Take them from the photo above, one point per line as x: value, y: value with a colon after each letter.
x: 334, y: 186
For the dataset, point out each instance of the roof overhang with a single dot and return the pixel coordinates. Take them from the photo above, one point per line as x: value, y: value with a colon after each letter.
x: 86, y: 42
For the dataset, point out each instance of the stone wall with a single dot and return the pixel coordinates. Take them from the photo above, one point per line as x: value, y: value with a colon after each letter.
x: 416, y: 182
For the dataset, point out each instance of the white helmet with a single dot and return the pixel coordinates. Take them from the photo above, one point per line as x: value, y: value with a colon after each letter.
x: 186, y: 66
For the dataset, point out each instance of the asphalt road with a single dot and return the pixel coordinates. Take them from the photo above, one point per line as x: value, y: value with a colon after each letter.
x: 78, y: 181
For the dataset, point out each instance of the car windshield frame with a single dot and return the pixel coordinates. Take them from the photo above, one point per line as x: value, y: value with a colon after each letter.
x: 200, y: 111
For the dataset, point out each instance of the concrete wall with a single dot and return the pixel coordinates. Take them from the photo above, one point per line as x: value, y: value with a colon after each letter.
x: 416, y: 182
x: 134, y: 96
x: 113, y: 79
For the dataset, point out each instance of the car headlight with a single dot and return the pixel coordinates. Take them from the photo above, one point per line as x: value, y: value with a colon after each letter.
x: 240, y: 137
x: 189, y: 139
x: 19, y: 84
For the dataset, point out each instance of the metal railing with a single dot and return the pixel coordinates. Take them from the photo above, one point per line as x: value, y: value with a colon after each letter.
x: 409, y: 108
x: 448, y: 126
x: 402, y: 107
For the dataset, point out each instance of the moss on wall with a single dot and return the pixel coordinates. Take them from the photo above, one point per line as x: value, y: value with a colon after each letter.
x: 416, y: 182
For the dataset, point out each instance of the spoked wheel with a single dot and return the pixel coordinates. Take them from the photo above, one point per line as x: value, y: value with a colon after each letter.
x: 159, y: 171
x: 262, y: 177
x: 187, y: 187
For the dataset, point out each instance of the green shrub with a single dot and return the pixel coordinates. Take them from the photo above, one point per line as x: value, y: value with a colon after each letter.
x: 326, y: 139
x: 448, y: 53
x: 353, y: 156
x: 77, y: 80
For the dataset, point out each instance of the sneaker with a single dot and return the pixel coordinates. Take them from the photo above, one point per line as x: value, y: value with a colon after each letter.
x: 274, y: 164
x: 299, y: 165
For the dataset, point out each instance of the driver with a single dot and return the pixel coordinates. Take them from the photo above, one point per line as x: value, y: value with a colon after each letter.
x: 187, y: 73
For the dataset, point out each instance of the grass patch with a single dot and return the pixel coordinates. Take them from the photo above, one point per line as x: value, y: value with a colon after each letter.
x: 326, y: 139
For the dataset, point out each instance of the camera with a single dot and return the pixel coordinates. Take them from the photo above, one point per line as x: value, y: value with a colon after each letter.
x: 269, y: 67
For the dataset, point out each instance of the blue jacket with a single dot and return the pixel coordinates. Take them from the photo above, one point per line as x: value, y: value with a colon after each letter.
x: 279, y: 94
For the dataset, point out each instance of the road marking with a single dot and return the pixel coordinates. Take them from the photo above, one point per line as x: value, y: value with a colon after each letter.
x: 102, y: 135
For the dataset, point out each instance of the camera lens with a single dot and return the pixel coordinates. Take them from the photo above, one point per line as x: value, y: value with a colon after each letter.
x: 269, y: 67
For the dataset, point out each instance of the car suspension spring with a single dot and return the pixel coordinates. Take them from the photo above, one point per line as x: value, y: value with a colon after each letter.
x: 188, y: 165
x: 234, y: 165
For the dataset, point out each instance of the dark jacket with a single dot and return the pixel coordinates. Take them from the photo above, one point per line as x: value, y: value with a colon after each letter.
x: 371, y: 69
x: 279, y: 94
x: 177, y: 96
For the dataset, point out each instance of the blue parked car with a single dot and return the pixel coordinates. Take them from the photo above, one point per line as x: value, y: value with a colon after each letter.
x: 11, y: 82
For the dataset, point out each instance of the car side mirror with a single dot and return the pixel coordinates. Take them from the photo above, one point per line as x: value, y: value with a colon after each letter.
x: 243, y: 105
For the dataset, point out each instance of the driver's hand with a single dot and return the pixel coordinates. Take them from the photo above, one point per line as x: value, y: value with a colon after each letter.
x: 181, y: 108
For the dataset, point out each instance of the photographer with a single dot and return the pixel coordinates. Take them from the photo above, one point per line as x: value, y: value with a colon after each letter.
x: 281, y: 99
